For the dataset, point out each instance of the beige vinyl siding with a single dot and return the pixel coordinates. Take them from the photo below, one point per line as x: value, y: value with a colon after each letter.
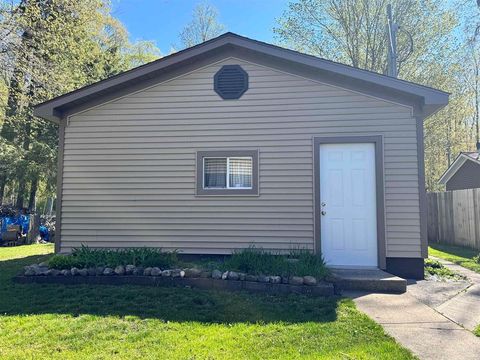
x: 129, y: 165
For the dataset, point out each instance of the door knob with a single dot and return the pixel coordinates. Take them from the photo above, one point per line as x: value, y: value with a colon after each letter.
x: 324, y: 213
x: 323, y: 204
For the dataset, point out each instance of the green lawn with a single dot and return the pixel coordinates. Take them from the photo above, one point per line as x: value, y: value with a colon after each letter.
x: 458, y: 255
x: 106, y: 322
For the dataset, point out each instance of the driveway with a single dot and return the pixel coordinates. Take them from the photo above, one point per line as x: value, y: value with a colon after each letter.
x: 433, y: 319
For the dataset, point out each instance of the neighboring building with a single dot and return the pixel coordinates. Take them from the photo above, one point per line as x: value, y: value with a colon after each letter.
x: 235, y: 142
x: 464, y: 173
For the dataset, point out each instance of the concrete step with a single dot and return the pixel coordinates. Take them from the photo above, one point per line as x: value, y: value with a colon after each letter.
x: 375, y: 281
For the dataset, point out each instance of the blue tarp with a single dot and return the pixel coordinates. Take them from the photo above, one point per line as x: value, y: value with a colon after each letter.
x: 22, y: 220
x: 44, y: 233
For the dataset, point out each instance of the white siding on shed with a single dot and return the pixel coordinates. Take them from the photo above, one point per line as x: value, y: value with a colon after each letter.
x: 129, y: 164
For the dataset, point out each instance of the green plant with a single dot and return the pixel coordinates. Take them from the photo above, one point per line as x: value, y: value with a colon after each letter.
x: 477, y: 259
x: 308, y: 264
x: 258, y: 261
x: 88, y: 257
x: 63, y: 262
x: 436, y: 268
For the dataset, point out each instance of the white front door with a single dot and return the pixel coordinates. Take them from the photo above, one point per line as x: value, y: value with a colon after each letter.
x: 348, y: 219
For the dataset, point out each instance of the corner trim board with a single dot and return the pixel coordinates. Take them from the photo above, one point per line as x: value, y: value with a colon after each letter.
x: 377, y: 140
x: 58, y: 219
x: 422, y: 193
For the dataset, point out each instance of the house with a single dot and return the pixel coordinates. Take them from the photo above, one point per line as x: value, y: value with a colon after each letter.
x: 235, y: 142
x: 464, y: 173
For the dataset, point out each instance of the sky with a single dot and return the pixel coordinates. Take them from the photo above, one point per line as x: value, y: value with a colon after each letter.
x: 163, y: 20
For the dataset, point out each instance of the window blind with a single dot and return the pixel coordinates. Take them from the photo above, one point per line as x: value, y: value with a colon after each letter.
x: 215, y: 173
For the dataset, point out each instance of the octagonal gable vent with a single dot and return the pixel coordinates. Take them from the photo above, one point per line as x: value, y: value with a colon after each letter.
x: 231, y: 82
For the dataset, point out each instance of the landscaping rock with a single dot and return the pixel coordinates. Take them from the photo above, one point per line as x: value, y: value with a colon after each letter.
x: 92, y: 271
x: 54, y: 272
x: 263, y: 278
x: 29, y: 271
x: 296, y: 280
x: 241, y: 276
x: 156, y: 271
x: 192, y: 272
x: 206, y: 274
x: 177, y: 273
x: 37, y: 270
x: 138, y: 271
x: 275, y: 279
x: 120, y: 270
x: 83, y: 272
x: 309, y: 280
x: 108, y: 271
x: 65, y: 272
x: 249, y: 277
x: 182, y: 273
x: 285, y: 279
x: 225, y: 275
x: 43, y: 264
x: 166, y: 273
x: 232, y: 275
x: 74, y: 271
x: 49, y: 272
x: 147, y: 271
x: 129, y: 269
x: 41, y: 270
x: 99, y: 270
x: 216, y: 274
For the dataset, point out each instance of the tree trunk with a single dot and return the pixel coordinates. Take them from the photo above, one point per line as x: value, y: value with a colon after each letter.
x: 477, y: 104
x: 3, y: 182
x: 20, y: 192
x: 33, y: 194
x: 22, y: 181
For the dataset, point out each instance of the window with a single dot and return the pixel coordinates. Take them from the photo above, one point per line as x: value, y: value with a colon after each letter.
x: 227, y: 172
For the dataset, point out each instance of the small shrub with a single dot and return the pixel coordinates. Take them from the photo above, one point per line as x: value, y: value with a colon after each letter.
x: 477, y: 259
x: 61, y: 262
x: 435, y: 268
x: 258, y: 261
x: 308, y: 264
x: 88, y: 257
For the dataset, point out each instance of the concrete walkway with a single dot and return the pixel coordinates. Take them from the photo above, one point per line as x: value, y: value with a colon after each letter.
x: 464, y: 307
x: 418, y: 327
x: 433, y: 319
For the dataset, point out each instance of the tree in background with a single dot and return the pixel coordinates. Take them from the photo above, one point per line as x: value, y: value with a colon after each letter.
x: 204, y: 26
x: 50, y: 47
x: 355, y: 32
x: 472, y: 60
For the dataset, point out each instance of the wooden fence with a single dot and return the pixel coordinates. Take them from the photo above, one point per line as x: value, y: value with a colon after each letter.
x: 454, y: 218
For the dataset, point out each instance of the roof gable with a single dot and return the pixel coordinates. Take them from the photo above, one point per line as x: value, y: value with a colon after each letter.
x: 461, y: 159
x: 430, y: 99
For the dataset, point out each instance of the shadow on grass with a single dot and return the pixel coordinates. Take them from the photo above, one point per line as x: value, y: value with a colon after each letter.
x: 459, y: 251
x: 168, y: 304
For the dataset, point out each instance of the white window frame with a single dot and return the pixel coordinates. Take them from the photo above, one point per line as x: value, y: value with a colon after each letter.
x: 227, y: 182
